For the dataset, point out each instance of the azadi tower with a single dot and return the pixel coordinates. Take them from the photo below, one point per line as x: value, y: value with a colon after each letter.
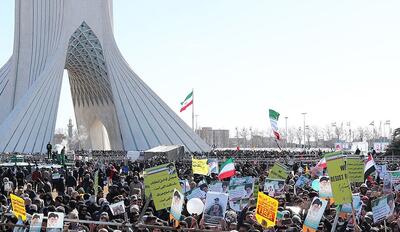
x: 77, y: 35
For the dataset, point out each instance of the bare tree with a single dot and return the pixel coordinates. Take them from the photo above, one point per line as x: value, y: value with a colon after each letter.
x: 315, y: 134
x: 299, y: 135
x: 328, y: 132
x: 339, y: 131
x: 244, y: 133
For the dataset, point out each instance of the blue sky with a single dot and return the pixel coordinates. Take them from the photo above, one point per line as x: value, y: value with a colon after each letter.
x: 337, y: 60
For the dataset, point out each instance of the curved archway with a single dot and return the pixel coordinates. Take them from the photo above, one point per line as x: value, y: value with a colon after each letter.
x: 99, y: 136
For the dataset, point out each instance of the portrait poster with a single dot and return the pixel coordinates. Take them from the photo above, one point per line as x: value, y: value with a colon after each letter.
x: 215, y: 207
x: 240, y: 191
x: 325, y: 189
x: 55, y: 222
x: 36, y: 222
x: 117, y: 208
x: 315, y: 212
x: 274, y: 187
x: 177, y: 204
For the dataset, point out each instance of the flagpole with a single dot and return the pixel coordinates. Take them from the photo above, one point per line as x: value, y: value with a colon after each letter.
x: 193, y: 111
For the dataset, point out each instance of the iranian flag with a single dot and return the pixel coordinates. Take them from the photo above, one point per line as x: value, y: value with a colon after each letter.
x: 227, y: 169
x: 187, y: 102
x: 274, y: 117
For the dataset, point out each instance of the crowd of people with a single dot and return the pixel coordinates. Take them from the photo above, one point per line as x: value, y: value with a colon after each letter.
x: 71, y: 190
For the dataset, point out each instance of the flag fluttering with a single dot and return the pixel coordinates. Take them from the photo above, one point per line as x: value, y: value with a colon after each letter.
x: 274, y: 117
x: 369, y: 166
x: 187, y: 102
x: 227, y: 169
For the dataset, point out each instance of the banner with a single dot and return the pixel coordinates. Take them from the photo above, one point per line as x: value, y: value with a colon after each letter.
x: 195, y: 193
x: 18, y: 206
x: 117, y: 208
x: 339, y: 182
x: 267, y: 208
x: 355, y: 169
x: 200, y: 166
x: 215, y: 207
x: 177, y: 204
x: 315, y: 213
x: 55, y: 221
x: 36, y: 222
x: 161, y: 181
x: 274, y: 187
x: 325, y: 188
x: 219, y: 186
x: 382, y: 208
x: 387, y: 184
x: 278, y: 171
x: 240, y: 191
x: 395, y: 175
x: 346, y: 208
x: 213, y: 166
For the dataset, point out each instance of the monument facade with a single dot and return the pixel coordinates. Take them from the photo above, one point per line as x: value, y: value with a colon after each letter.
x: 110, y: 101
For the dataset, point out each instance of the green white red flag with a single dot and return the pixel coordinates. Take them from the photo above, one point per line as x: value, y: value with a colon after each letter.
x: 274, y: 117
x: 187, y: 102
x: 227, y: 169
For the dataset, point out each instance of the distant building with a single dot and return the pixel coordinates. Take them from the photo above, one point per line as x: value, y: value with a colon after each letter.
x: 70, y: 129
x: 217, y: 138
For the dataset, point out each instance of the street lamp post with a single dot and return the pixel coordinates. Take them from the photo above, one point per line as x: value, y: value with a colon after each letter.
x: 304, y: 128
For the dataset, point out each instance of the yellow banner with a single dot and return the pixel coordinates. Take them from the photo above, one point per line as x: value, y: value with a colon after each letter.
x: 355, y: 169
x: 267, y: 208
x: 18, y: 206
x: 200, y: 166
x: 337, y: 171
x: 161, y: 181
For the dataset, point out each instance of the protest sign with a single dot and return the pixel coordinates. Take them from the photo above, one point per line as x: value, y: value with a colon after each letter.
x: 215, y: 207
x: 55, y: 221
x: 278, y: 171
x: 213, y: 166
x: 184, y: 185
x: 256, y: 188
x: 177, y: 204
x: 200, y: 166
x: 382, y: 208
x: 302, y: 180
x: 346, y: 208
x: 161, y: 181
x: 267, y: 208
x: 325, y: 188
x: 355, y: 169
x: 274, y: 187
x: 381, y: 169
x: 18, y: 206
x: 387, y: 184
x: 117, y: 208
x: 339, y: 182
x: 395, y: 176
x: 240, y: 191
x: 315, y: 213
x: 196, y: 193
x: 219, y: 186
x: 36, y: 222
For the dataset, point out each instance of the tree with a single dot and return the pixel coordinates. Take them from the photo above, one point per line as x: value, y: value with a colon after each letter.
x: 394, y: 146
x: 299, y: 135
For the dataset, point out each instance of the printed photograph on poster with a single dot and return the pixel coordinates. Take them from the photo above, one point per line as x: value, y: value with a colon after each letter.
x: 274, y: 187
x: 382, y: 208
x: 219, y: 186
x: 177, y: 204
x: 346, y: 208
x: 36, y: 222
x: 315, y: 212
x: 117, y: 208
x: 215, y: 207
x: 55, y: 222
x: 325, y: 189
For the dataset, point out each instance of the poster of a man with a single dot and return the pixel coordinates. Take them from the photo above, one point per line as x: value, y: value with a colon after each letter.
x: 325, y: 189
x: 36, y: 222
x: 55, y: 222
x: 215, y: 207
x: 171, y: 169
x: 177, y: 204
x: 315, y: 212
